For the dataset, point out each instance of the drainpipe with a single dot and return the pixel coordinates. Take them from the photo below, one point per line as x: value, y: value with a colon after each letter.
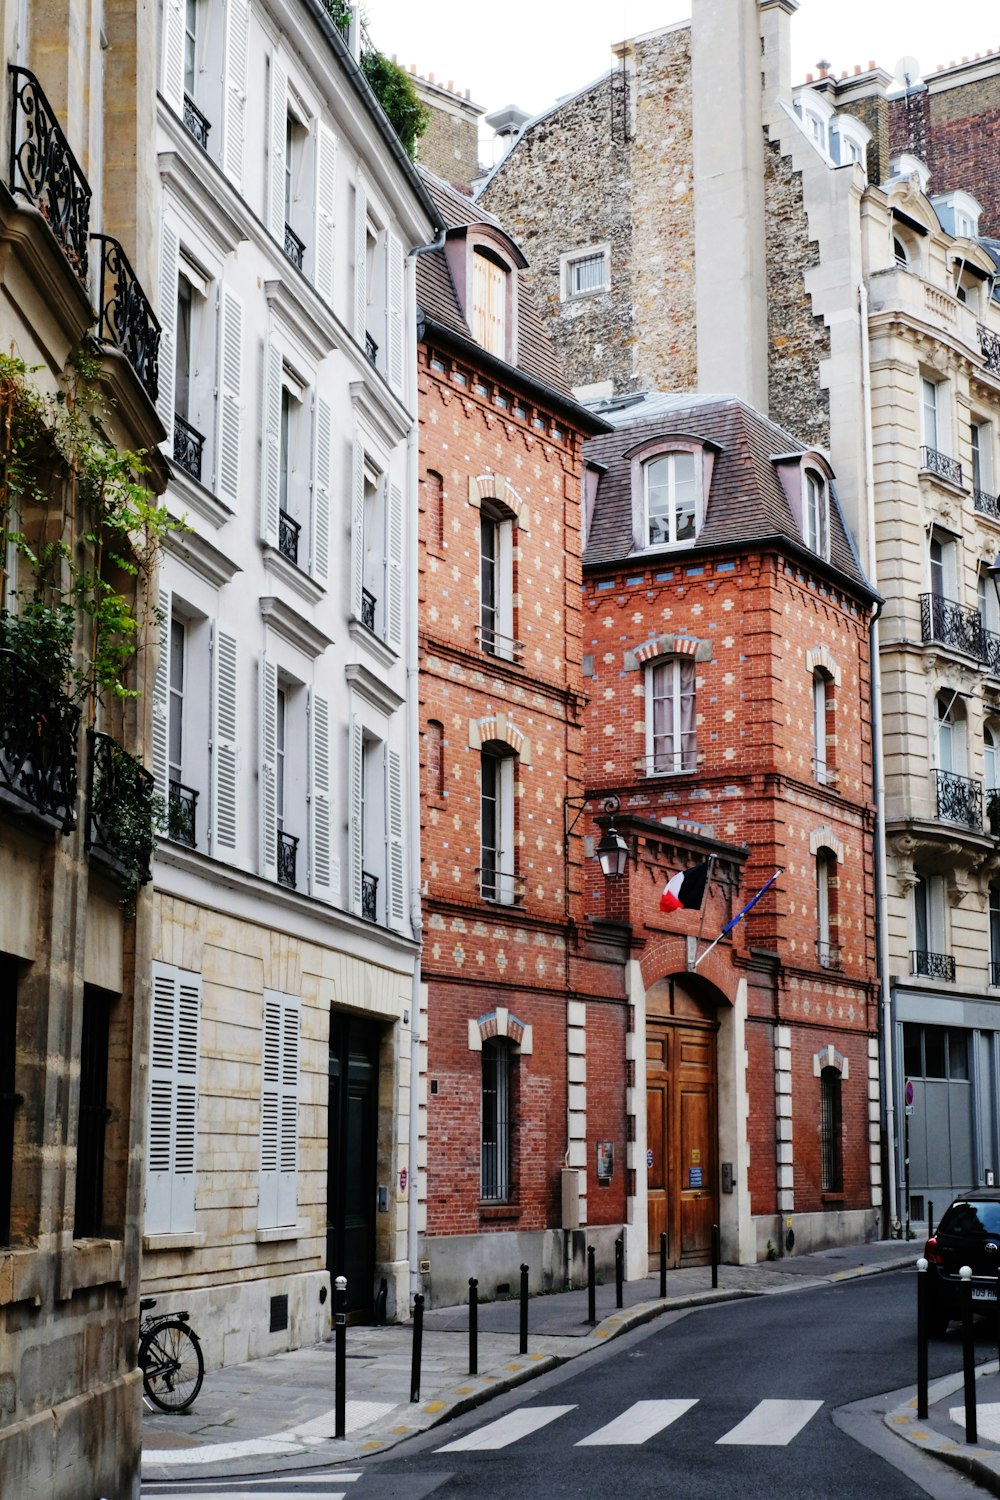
x: 881, y: 891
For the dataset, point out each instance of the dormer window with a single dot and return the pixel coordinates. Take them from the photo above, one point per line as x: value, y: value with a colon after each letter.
x: 815, y: 512
x: 670, y: 493
x: 489, y: 303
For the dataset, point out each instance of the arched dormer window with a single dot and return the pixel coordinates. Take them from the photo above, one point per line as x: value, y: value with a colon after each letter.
x: 490, y: 298
x: 484, y: 264
x: 670, y: 495
x: 815, y: 512
x: 817, y: 116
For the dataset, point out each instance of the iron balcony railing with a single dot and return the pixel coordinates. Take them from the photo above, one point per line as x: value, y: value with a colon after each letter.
x: 368, y: 603
x: 828, y: 954
x: 44, y: 170
x: 959, y: 799
x: 38, y: 735
x: 288, y: 536
x: 371, y: 348
x: 119, y: 807
x: 195, y: 122
x: 989, y: 343
x: 940, y: 464
x: 495, y: 884
x: 991, y: 651
x: 182, y: 809
x: 188, y: 447
x: 288, y: 846
x: 295, y: 248
x: 932, y: 965
x: 986, y: 504
x: 950, y: 624
x: 497, y: 644
x: 126, y: 319
x: 369, y: 896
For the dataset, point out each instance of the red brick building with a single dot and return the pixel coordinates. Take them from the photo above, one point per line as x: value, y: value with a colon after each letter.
x: 726, y: 661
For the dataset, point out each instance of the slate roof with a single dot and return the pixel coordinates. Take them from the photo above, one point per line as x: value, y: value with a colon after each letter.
x: 746, y: 502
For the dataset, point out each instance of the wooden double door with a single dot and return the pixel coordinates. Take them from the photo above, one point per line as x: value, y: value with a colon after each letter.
x: 681, y: 1128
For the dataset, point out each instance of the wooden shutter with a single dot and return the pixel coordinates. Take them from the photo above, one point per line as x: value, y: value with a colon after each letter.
x: 394, y: 566
x: 235, y: 108
x: 224, y: 742
x: 279, y: 1127
x: 321, y: 875
x: 172, y: 81
x: 276, y: 150
x: 357, y: 838
x: 270, y: 500
x: 161, y: 704
x: 326, y: 192
x: 395, y: 866
x: 268, y: 750
x: 357, y: 528
x: 228, y: 409
x: 360, y: 261
x: 173, y: 1073
x: 169, y: 254
x: 322, y: 439
x: 394, y: 329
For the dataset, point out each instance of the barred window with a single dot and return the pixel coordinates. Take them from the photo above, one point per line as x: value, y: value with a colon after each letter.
x: 496, y: 1122
x: 831, y: 1159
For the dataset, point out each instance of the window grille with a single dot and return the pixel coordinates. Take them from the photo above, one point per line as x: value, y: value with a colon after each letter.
x: 496, y: 1123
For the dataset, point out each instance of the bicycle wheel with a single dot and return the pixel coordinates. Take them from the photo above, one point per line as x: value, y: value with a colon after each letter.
x: 172, y: 1366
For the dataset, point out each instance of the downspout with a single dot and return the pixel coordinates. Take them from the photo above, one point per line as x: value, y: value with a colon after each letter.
x: 881, y: 890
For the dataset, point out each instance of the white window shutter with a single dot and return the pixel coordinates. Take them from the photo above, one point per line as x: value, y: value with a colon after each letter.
x: 357, y: 840
x: 321, y: 875
x: 228, y: 410
x: 173, y: 1073
x: 394, y: 329
x: 268, y: 749
x: 360, y: 261
x: 394, y: 566
x: 325, y: 195
x: 270, y: 499
x: 224, y: 742
x: 276, y: 150
x: 288, y: 1129
x: 161, y: 703
x: 323, y: 436
x: 172, y: 82
x: 278, y: 1187
x: 394, y: 864
x: 169, y: 254
x: 357, y: 528
x: 235, y: 109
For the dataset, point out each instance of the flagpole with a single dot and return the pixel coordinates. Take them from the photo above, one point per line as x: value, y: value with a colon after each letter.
x: 739, y: 915
x: 708, y: 885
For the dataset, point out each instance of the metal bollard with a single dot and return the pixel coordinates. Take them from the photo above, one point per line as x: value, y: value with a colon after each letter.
x: 968, y: 1357
x: 473, y: 1326
x: 418, y: 1345
x: 930, y: 1217
x: 619, y: 1272
x: 715, y: 1257
x: 524, y: 1309
x: 340, y: 1337
x: 663, y: 1263
x: 591, y: 1286
x: 922, y: 1339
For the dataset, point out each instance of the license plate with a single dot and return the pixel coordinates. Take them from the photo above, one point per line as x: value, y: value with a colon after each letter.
x: 984, y: 1294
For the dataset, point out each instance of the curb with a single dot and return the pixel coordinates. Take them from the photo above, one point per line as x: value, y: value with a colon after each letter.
x: 983, y: 1466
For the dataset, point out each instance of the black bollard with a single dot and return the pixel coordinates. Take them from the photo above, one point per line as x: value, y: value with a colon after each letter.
x: 473, y: 1326
x: 340, y: 1337
x: 930, y: 1217
x: 922, y: 1339
x: 619, y: 1272
x: 418, y: 1345
x: 591, y: 1286
x: 715, y: 1256
x: 968, y: 1357
x: 524, y: 1309
x: 663, y: 1263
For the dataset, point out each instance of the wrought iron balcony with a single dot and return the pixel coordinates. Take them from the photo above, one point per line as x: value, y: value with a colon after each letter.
x: 950, y: 624
x: 932, y: 965
x: 991, y: 651
x: 188, y: 447
x: 371, y: 348
x: 294, y: 247
x: 369, y: 896
x: 44, y: 170
x: 986, y: 504
x: 828, y: 954
x: 126, y: 318
x: 959, y: 799
x: 989, y: 343
x: 941, y: 464
x: 38, y: 733
x: 182, y: 807
x: 288, y: 846
x: 368, y: 603
x: 288, y: 536
x: 119, y: 807
x: 195, y: 122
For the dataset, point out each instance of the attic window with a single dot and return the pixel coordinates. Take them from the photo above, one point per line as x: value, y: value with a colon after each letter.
x: 815, y: 512
x: 489, y: 303
x: 670, y: 494
x: 585, y: 272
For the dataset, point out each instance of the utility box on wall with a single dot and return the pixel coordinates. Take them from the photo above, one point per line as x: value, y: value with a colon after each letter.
x: 570, y: 1198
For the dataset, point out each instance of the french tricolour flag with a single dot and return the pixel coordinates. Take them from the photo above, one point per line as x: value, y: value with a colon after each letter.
x: 685, y: 889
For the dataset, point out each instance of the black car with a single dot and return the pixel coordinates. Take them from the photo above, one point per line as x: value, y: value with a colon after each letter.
x: 968, y: 1235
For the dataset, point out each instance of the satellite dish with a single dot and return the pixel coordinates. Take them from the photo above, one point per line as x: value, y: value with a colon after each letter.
x: 907, y: 72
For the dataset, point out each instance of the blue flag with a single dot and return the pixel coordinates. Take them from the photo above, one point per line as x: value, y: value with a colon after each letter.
x: 752, y: 902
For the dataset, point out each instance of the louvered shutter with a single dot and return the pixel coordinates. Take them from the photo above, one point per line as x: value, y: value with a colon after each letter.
x: 394, y: 301
x: 279, y: 1111
x: 357, y: 839
x: 172, y: 82
x: 270, y: 500
x: 395, y: 904
x: 169, y: 254
x: 234, y: 116
x: 228, y: 410
x: 224, y: 742
x: 268, y: 690
x: 173, y: 1073
x: 322, y: 439
x: 326, y: 192
x: 276, y: 162
x: 394, y: 566
x: 161, y: 704
x: 321, y: 875
x: 357, y: 528
x: 360, y: 261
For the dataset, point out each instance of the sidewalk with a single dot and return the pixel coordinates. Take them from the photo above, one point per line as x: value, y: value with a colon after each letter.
x: 278, y: 1414
x: 943, y: 1434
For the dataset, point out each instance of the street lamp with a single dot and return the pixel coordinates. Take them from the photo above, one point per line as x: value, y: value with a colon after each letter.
x: 612, y: 851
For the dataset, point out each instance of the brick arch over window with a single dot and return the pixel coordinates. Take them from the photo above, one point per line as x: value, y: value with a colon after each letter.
x: 499, y: 1023
x: 819, y: 656
x: 497, y: 491
x: 666, y: 645
x: 825, y: 838
x: 829, y: 1057
x: 498, y: 729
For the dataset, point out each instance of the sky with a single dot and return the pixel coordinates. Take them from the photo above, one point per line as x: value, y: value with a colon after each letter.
x: 569, y: 42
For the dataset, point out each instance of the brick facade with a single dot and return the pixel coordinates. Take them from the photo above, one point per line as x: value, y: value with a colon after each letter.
x: 945, y: 124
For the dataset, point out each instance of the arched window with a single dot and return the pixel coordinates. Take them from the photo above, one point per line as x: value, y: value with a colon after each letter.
x: 670, y: 490
x: 496, y: 1120
x: 497, y: 873
x: 815, y: 512
x: 822, y: 696
x: 899, y: 252
x: 831, y: 1132
x: 670, y: 715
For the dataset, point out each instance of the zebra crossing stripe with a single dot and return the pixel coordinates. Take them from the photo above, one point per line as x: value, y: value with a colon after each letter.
x: 772, y: 1424
x: 509, y: 1429
x: 640, y: 1422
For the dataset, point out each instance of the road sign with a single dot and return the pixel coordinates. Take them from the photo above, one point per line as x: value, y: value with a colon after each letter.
x: 908, y: 1092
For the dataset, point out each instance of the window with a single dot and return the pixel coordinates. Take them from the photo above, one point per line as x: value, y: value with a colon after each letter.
x: 377, y: 550
x: 928, y: 957
x: 929, y: 413
x: 489, y: 304
x: 10, y: 1099
x: 296, y: 138
x: 88, y: 1219
x: 497, y: 874
x: 295, y: 471
x: 982, y: 458
x: 190, y: 46
x: 827, y: 947
x: 279, y: 1112
x: 378, y: 883
x: 943, y: 567
x: 173, y: 1100
x: 496, y: 1133
x: 496, y: 581
x: 183, y: 800
x: 670, y: 488
x: 670, y: 716
x: 815, y: 513
x: 294, y: 783
x: 991, y: 781
x: 822, y: 696
x: 935, y: 1052
x: 585, y: 272
x: 994, y: 933
x: 830, y: 1131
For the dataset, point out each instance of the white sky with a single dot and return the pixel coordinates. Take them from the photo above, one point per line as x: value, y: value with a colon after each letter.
x: 533, y: 51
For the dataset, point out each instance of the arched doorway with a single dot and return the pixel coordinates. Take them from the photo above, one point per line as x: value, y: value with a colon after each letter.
x: 682, y: 1130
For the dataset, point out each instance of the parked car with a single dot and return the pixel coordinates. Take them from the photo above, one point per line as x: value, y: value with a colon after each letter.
x: 968, y: 1234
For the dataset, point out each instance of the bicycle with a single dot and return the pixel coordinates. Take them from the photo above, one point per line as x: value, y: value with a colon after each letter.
x: 170, y: 1358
